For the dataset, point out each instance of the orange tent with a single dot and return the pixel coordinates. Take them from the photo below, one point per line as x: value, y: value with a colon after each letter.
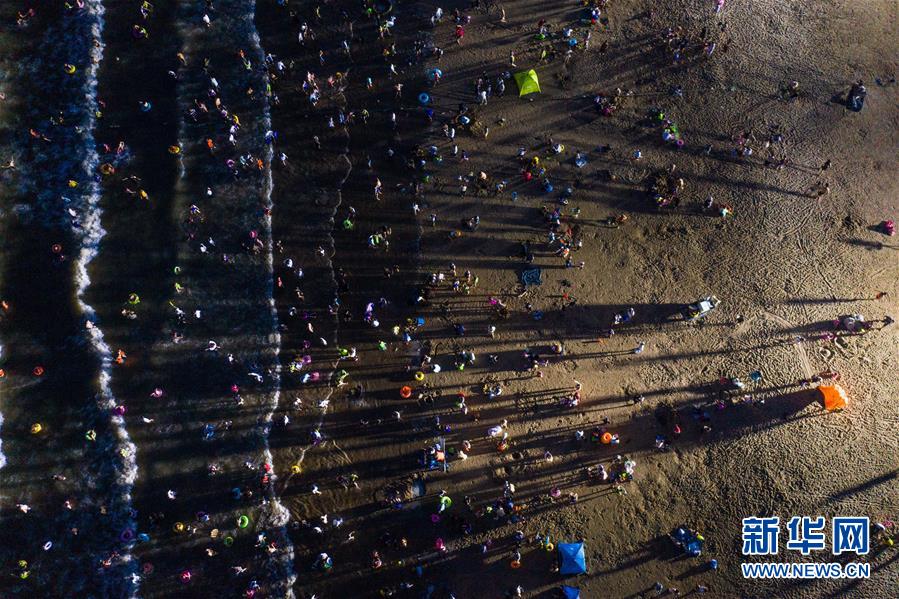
x: 834, y: 397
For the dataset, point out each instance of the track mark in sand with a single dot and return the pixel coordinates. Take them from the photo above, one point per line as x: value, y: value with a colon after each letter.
x: 330, y: 260
x: 800, y: 350
x: 815, y: 263
x: 346, y: 457
x: 803, y: 247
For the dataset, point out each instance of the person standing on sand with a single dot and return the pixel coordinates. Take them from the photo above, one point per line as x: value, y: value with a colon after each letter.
x: 818, y: 190
x: 379, y: 190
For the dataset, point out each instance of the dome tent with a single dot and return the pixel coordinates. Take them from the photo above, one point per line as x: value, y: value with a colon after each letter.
x: 571, y: 558
x: 571, y: 592
x: 527, y: 82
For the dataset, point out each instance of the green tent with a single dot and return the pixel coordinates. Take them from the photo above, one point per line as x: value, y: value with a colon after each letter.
x: 527, y: 82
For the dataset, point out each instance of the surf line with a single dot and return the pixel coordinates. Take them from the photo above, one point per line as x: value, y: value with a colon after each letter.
x: 2, y: 456
x: 90, y: 234
x: 279, y: 516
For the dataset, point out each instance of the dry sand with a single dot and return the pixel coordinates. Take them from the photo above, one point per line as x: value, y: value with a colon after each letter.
x: 784, y: 265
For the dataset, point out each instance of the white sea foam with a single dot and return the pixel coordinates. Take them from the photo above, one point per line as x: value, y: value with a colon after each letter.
x: 277, y: 516
x: 91, y: 233
x: 280, y: 516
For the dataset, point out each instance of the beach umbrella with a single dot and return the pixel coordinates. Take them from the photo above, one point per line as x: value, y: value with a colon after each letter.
x: 527, y: 81
x: 834, y: 397
x: 571, y: 558
x: 571, y: 592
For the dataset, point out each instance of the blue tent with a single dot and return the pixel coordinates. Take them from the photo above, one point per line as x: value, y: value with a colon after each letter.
x: 571, y: 558
x: 571, y: 592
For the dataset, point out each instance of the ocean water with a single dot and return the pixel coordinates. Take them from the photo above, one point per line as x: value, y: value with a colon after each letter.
x: 103, y: 504
x: 58, y: 198
x: 123, y: 461
x: 226, y: 296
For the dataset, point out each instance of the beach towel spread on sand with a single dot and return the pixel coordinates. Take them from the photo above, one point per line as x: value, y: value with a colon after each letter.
x: 527, y: 82
x: 531, y: 277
